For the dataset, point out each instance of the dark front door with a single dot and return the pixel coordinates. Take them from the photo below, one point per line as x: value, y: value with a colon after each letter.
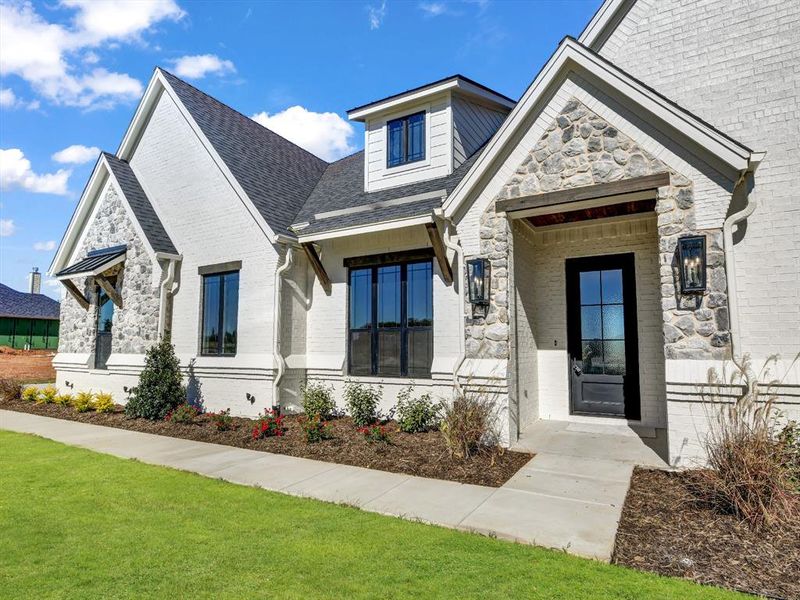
x: 105, y: 317
x: 602, y: 341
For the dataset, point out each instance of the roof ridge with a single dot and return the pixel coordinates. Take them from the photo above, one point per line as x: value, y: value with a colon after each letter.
x: 238, y: 112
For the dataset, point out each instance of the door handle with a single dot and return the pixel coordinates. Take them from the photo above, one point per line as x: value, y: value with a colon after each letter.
x: 577, y: 370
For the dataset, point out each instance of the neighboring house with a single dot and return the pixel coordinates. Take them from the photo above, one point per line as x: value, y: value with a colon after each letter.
x: 623, y: 228
x: 28, y: 321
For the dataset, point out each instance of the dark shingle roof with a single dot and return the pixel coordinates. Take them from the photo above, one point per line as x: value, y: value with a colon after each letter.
x: 141, y: 206
x: 342, y: 187
x: 276, y: 174
x: 26, y: 306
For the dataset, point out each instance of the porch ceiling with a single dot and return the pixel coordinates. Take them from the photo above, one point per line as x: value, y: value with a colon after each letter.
x: 597, y: 212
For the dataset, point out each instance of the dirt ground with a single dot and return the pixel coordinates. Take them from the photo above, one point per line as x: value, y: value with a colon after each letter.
x: 666, y: 530
x: 30, y: 366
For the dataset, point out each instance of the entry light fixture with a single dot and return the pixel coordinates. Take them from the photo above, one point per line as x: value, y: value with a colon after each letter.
x: 479, y: 280
x: 692, y: 262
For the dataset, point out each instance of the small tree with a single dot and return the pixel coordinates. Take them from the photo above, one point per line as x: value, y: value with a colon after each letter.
x: 160, y: 388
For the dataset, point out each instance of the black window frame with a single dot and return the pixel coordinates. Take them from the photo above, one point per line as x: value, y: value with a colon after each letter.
x: 404, y: 160
x: 374, y: 264
x: 205, y: 274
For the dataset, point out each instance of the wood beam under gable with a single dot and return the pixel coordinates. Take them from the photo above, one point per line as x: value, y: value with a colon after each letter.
x: 316, y: 264
x: 109, y: 289
x: 76, y: 293
x: 440, y: 252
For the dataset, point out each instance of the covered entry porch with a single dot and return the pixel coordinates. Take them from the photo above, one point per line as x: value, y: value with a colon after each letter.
x: 587, y: 339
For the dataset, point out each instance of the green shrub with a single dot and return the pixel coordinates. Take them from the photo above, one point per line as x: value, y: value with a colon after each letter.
x: 63, y: 399
x: 362, y: 402
x: 30, y: 394
x: 315, y: 429
x: 160, y: 388
x: 269, y: 425
x: 222, y: 421
x: 318, y: 400
x: 10, y: 389
x: 83, y: 401
x: 184, y: 414
x: 415, y: 415
x: 376, y: 433
x: 468, y: 423
x: 47, y: 395
x: 104, y: 402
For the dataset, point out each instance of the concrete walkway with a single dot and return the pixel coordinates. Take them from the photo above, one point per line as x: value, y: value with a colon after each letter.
x: 556, y: 500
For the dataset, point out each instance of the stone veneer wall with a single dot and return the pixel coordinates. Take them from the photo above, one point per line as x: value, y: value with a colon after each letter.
x: 580, y: 149
x: 135, y: 325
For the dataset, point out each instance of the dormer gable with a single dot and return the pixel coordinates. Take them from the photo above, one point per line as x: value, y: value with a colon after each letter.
x: 427, y: 132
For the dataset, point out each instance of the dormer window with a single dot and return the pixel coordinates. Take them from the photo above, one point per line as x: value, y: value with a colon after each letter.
x: 405, y: 140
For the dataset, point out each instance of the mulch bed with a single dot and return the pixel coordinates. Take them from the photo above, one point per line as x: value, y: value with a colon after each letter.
x: 421, y: 454
x: 665, y: 529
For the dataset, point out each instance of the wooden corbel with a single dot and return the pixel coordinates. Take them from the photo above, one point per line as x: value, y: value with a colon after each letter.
x: 316, y: 264
x: 76, y: 293
x: 440, y: 252
x: 109, y: 289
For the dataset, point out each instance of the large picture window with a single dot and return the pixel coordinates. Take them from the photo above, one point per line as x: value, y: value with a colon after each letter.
x: 220, y: 313
x: 391, y: 320
x: 405, y: 140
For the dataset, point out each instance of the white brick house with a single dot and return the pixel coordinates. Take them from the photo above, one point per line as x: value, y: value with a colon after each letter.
x: 665, y: 121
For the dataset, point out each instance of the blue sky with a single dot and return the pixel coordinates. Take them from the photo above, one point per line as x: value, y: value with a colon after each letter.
x: 72, y: 72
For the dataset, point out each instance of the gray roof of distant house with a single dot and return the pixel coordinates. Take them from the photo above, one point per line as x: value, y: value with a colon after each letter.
x: 342, y: 188
x: 140, y: 205
x: 276, y: 174
x: 26, y: 306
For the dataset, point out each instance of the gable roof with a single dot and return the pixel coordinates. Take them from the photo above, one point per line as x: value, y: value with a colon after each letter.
x: 340, y: 202
x: 604, y: 22
x: 142, y: 209
x: 22, y: 305
x: 276, y: 174
x: 571, y: 56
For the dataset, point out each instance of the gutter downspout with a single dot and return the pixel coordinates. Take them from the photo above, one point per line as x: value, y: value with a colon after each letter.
x: 453, y: 243
x: 166, y: 292
x: 727, y: 235
x: 276, y: 348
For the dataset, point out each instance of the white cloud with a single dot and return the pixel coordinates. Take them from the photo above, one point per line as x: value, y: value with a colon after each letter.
x: 433, y: 9
x: 15, y: 171
x: 7, y: 97
x: 7, y: 227
x: 45, y: 246
x: 76, y: 154
x: 200, y: 65
x: 48, y: 55
x: 376, y: 14
x: 325, y: 134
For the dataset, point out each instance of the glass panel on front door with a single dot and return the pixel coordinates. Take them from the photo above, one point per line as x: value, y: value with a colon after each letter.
x: 105, y: 319
x: 602, y: 322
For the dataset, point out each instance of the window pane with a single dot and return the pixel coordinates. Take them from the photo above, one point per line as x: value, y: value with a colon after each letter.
x: 612, y: 286
x: 614, y: 358
x: 590, y: 287
x: 389, y: 352
x: 420, y: 352
x: 613, y: 322
x: 360, y: 298
x: 230, y: 315
x: 416, y: 137
x: 419, y: 295
x: 105, y: 313
x: 360, y: 353
x: 211, y: 299
x: 592, y: 354
x: 395, y: 143
x: 590, y: 323
x: 389, y: 297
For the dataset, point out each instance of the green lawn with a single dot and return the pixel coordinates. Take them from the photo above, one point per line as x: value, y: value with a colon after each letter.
x: 76, y: 524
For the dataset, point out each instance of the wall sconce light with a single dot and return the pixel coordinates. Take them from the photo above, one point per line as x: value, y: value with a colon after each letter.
x: 692, y: 263
x: 479, y: 279
x: 250, y: 398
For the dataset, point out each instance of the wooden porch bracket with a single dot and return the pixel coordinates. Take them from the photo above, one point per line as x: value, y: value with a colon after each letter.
x: 316, y: 264
x: 440, y: 252
x: 76, y: 293
x: 109, y: 289
x: 588, y: 192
